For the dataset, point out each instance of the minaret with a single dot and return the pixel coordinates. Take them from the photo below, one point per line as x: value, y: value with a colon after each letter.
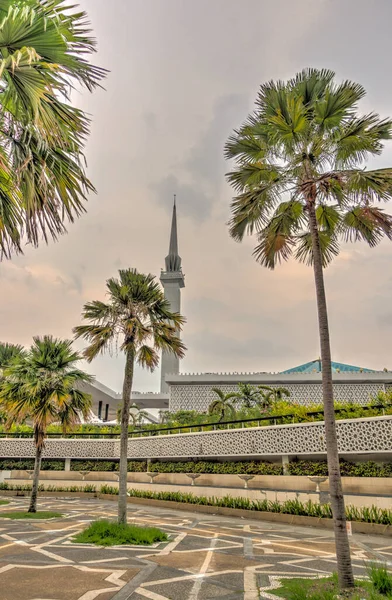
x: 172, y: 279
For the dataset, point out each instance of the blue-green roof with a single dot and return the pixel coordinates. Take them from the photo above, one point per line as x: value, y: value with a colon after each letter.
x: 315, y: 367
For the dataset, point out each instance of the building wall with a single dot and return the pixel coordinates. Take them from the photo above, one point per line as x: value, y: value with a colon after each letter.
x: 199, y: 396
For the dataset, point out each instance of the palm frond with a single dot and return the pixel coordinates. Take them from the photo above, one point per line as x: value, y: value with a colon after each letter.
x: 367, y: 223
x: 148, y: 357
x: 304, y: 248
x: 276, y: 240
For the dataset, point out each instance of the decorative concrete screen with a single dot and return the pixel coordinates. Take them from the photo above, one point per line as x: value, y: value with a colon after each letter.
x: 199, y: 397
x: 354, y: 436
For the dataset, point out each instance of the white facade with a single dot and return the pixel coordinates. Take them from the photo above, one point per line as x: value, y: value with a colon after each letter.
x: 194, y: 391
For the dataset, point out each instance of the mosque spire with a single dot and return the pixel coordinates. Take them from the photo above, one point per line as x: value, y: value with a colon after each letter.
x: 172, y: 279
x: 173, y: 260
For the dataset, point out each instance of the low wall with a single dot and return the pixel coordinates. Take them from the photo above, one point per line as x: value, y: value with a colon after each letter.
x: 355, y: 436
x: 359, y: 491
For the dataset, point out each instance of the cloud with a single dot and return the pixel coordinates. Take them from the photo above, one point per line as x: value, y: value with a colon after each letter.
x: 192, y: 202
x: 205, y: 162
x: 159, y: 128
x: 201, y: 175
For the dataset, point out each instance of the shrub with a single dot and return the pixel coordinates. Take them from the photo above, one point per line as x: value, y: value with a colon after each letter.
x: 10, y: 464
x: 134, y: 466
x: 280, y: 412
x: 227, y: 468
x: 381, y: 579
x: 347, y: 469
x: 291, y: 507
x: 108, y: 533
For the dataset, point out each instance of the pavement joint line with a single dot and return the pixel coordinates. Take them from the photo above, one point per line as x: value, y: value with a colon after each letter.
x: 126, y: 592
x: 375, y: 552
x: 190, y: 577
x: 195, y: 591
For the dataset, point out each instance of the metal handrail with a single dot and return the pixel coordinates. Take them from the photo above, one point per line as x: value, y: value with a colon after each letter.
x: 196, y: 426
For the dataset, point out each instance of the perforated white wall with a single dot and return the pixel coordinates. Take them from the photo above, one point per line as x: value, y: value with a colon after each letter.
x: 199, y: 397
x: 354, y: 436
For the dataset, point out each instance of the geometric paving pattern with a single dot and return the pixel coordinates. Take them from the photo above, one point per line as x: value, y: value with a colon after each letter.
x: 207, y: 556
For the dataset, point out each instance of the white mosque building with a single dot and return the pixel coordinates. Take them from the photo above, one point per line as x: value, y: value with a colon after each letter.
x: 193, y: 391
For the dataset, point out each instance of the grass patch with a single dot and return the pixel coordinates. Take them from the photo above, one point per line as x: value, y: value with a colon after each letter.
x: 40, y: 514
x: 2, y: 502
x: 327, y: 588
x: 108, y: 533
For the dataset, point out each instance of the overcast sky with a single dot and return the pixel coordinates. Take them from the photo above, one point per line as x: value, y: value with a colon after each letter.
x: 183, y: 75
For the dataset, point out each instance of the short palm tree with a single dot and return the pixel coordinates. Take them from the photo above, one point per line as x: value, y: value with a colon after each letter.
x: 139, y: 317
x: 224, y: 405
x: 301, y: 187
x: 136, y: 415
x: 44, y: 47
x: 248, y: 395
x: 273, y: 394
x: 42, y: 386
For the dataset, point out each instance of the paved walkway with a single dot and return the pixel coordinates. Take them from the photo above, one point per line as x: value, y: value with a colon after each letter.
x: 207, y: 556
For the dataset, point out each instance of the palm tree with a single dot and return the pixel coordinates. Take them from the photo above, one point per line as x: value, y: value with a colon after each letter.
x: 136, y: 415
x: 42, y: 385
x: 273, y: 394
x: 223, y: 405
x: 138, y: 315
x: 301, y: 186
x: 248, y: 394
x: 44, y: 47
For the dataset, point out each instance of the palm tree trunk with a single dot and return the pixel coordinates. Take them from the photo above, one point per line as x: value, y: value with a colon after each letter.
x: 345, y: 572
x: 126, y: 402
x: 34, y: 489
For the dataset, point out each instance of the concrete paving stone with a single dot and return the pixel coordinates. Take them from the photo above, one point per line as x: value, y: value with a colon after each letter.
x: 209, y: 590
x: 177, y: 590
x: 224, y: 562
x: 187, y: 561
x: 67, y: 583
x: 80, y: 555
x: 163, y: 572
x: 232, y: 581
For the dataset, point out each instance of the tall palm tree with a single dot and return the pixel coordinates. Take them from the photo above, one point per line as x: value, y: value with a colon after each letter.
x: 223, y: 406
x: 42, y: 385
x: 139, y: 317
x: 301, y: 187
x: 44, y: 47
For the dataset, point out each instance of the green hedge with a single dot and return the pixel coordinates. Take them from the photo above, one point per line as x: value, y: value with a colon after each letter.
x: 280, y: 412
x: 223, y: 468
x: 134, y: 466
x: 253, y: 467
x: 347, y: 469
x: 15, y: 464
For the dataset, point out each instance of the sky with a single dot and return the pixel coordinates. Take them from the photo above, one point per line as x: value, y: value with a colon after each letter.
x: 182, y: 76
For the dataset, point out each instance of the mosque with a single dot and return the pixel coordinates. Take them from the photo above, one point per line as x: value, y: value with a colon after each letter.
x: 193, y: 391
